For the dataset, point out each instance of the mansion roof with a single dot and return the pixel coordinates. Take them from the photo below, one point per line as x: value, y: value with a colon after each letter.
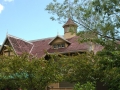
x: 39, y: 48
x: 59, y: 44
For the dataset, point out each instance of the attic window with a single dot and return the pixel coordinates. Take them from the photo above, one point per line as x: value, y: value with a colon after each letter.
x: 56, y: 46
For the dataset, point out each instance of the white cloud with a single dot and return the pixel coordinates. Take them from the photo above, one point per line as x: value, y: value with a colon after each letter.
x: 8, y: 0
x: 1, y: 8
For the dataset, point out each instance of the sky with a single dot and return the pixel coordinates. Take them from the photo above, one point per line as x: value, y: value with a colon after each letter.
x: 27, y: 19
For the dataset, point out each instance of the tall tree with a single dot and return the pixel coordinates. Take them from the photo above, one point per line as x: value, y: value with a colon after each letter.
x: 101, y: 17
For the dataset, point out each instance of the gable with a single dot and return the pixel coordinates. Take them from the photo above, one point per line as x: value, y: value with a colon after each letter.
x: 20, y: 46
x: 6, y: 48
x: 57, y: 40
x: 75, y: 46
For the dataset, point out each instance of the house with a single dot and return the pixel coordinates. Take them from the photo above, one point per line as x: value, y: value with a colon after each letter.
x: 68, y: 43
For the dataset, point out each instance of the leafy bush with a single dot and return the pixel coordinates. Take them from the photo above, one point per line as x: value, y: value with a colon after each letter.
x: 86, y: 86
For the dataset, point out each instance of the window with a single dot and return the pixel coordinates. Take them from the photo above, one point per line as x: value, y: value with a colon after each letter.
x: 61, y: 45
x: 55, y: 46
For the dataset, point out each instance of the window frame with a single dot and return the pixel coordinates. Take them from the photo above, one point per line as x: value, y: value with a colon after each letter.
x: 58, y: 45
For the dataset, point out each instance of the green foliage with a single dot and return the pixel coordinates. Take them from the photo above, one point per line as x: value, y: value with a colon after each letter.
x: 78, y: 64
x: 27, y: 72
x: 31, y: 73
x: 101, y: 18
x: 86, y: 86
x: 110, y: 67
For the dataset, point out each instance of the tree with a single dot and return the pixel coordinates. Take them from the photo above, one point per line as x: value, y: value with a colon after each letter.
x: 87, y: 86
x: 101, y: 17
x: 109, y: 67
x: 78, y: 68
x: 27, y: 72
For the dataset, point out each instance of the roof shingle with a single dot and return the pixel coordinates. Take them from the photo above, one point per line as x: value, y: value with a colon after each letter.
x: 73, y: 47
x: 20, y: 46
x: 39, y: 48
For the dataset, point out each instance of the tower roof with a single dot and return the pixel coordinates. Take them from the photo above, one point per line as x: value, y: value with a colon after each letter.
x: 70, y: 22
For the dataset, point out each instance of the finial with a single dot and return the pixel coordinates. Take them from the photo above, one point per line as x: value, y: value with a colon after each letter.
x: 57, y: 33
x: 7, y: 32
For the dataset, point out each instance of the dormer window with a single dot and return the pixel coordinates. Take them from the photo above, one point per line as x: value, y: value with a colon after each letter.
x: 59, y: 42
x: 61, y: 45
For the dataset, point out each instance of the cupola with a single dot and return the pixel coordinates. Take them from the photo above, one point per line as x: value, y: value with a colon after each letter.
x: 70, y: 29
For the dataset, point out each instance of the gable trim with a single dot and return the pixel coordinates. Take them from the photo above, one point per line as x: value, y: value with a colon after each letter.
x: 3, y: 43
x: 19, y: 38
x: 60, y: 38
x: 30, y: 52
x: 7, y: 38
x: 12, y: 46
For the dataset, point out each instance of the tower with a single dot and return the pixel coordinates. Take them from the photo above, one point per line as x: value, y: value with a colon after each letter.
x: 70, y: 29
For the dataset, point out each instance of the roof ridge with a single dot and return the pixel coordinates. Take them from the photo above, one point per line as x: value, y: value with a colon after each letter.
x: 42, y: 39
x: 8, y: 35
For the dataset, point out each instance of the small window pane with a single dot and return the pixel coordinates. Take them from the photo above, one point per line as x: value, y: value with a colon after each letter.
x: 63, y: 45
x: 55, y: 46
x: 59, y: 46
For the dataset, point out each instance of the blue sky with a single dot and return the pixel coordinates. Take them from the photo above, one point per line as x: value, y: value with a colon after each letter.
x: 27, y: 19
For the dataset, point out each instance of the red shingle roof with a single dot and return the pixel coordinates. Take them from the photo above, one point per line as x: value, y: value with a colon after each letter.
x: 20, y: 46
x: 73, y: 47
x: 39, y: 48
